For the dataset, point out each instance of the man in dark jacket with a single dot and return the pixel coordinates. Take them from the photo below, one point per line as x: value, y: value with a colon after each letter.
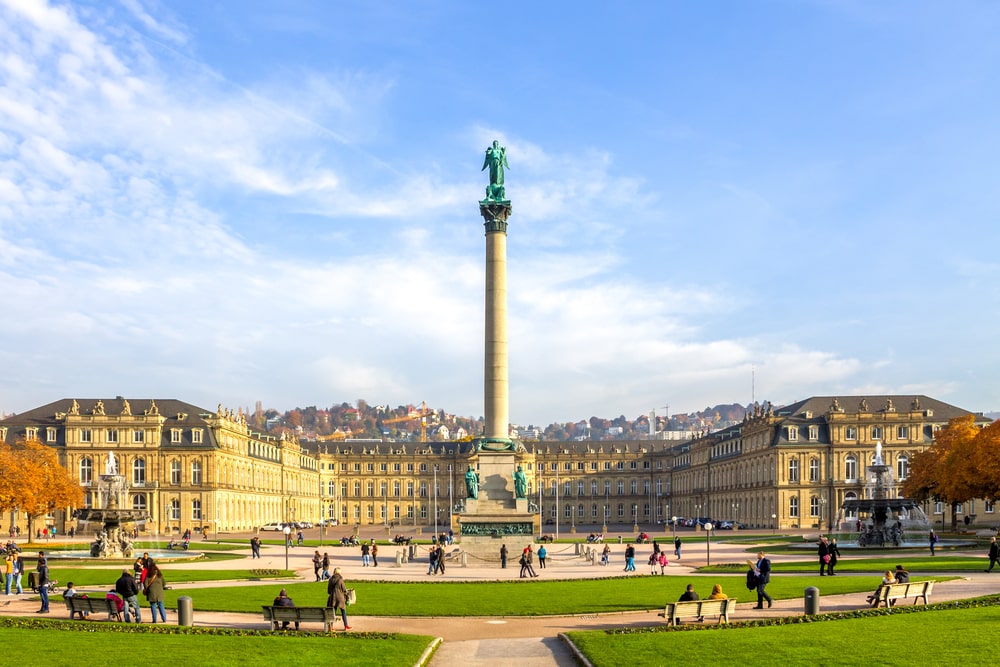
x: 688, y: 595
x: 763, y: 571
x: 127, y: 588
x: 994, y: 553
x: 284, y: 601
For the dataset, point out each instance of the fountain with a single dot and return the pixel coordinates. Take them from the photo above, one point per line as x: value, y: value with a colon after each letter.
x: 883, y: 519
x: 112, y: 541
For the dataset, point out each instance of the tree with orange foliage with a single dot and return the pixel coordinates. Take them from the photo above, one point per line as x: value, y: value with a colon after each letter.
x: 955, y: 469
x: 33, y: 481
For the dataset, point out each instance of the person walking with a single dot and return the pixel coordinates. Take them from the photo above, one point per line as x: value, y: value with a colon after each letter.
x: 42, y: 573
x: 503, y: 557
x: 662, y: 560
x: 337, y: 595
x: 542, y: 554
x: 254, y: 547
x: 317, y: 562
x: 763, y: 571
x: 153, y: 590
x: 365, y: 551
x: 630, y: 558
x: 823, y: 551
x: 834, y: 557
x: 994, y: 553
x: 432, y: 556
x: 440, y: 560
x: 374, y: 554
x: 129, y: 591
x: 326, y: 566
x: 8, y: 570
x: 933, y: 540
x: 677, y: 547
x: 18, y: 573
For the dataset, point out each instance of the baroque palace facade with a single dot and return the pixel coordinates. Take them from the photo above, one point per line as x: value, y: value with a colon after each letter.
x: 188, y: 467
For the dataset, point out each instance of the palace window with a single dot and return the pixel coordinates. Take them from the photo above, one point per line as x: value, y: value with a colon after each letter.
x: 112, y: 435
x: 85, y: 435
x: 383, y: 489
x: 902, y: 467
x: 607, y: 487
x: 357, y: 467
x: 633, y: 487
x: 196, y: 510
x: 579, y: 488
x: 814, y: 433
x: 793, y: 433
x: 175, y: 435
x: 383, y: 467
x: 175, y: 509
x: 621, y: 487
x: 568, y: 511
x: 396, y: 488
x: 423, y: 467
x: 50, y: 434
x: 138, y: 435
x: 876, y: 432
x: 593, y: 488
x: 371, y: 467
x: 31, y: 433
x: 568, y: 488
x: 371, y: 490
x: 793, y: 507
x: 593, y: 465
x: 793, y: 470
x: 175, y: 472
x: 409, y: 489
x: 938, y: 507
x: 813, y: 470
x: 988, y: 508
x: 343, y: 489
x: 850, y: 433
x: 814, y: 506
x: 139, y: 501
x: 196, y: 436
x: 196, y: 472
x: 423, y: 489
x: 850, y: 469
x: 139, y: 473
x: 621, y: 509
x: 580, y: 466
x: 86, y: 471
x: 357, y: 489
x: 902, y: 433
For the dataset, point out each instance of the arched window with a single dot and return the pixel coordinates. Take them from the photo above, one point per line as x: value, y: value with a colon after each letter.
x: 86, y: 471
x: 902, y: 467
x: 139, y: 501
x: 175, y: 509
x: 196, y: 509
x: 139, y: 473
x: 850, y: 468
x: 793, y: 470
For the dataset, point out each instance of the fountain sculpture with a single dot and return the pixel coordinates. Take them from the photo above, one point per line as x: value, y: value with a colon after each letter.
x: 883, y: 519
x: 111, y: 495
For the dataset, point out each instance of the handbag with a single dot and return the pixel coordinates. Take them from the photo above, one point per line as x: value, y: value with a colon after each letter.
x: 351, y: 596
x: 826, y: 558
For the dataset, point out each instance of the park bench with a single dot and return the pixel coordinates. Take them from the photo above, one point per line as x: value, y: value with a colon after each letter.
x: 78, y: 605
x: 276, y: 615
x: 918, y: 590
x: 675, y: 611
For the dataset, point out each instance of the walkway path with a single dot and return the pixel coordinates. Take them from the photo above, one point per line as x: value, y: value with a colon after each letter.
x: 499, y: 641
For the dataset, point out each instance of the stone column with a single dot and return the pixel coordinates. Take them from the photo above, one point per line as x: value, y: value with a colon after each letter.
x: 497, y: 401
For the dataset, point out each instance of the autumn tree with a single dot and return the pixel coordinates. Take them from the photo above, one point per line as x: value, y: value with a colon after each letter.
x: 33, y: 481
x: 952, y: 470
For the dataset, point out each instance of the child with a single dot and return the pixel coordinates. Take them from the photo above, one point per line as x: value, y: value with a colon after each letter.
x: 70, y: 592
x: 663, y: 561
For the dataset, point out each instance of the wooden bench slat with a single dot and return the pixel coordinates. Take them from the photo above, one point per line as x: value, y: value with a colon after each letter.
x: 77, y: 604
x: 918, y: 590
x: 674, y: 611
x: 275, y: 615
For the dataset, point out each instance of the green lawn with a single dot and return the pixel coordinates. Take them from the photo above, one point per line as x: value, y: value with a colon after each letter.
x: 513, y: 598
x: 55, y: 643
x: 940, y: 636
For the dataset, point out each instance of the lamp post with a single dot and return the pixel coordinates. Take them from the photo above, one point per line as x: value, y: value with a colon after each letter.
x: 435, y: 502
x: 774, y: 524
x: 673, y: 527
x: 288, y: 532
x: 736, y: 511
x: 708, y: 544
x: 822, y: 512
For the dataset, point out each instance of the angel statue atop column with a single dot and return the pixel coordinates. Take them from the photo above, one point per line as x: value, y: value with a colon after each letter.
x: 496, y: 160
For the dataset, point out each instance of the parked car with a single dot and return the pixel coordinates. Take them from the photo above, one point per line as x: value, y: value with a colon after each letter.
x: 326, y: 522
x: 305, y: 524
x: 273, y: 526
x: 723, y: 525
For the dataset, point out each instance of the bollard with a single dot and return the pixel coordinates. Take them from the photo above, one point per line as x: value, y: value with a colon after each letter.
x: 413, y: 551
x: 185, y: 611
x: 812, y: 601
x: 400, y: 559
x: 619, y: 539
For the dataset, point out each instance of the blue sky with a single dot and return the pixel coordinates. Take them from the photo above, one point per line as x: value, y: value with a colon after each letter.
x: 226, y: 202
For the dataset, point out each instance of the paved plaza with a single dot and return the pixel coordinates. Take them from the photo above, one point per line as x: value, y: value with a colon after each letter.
x: 522, y: 641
